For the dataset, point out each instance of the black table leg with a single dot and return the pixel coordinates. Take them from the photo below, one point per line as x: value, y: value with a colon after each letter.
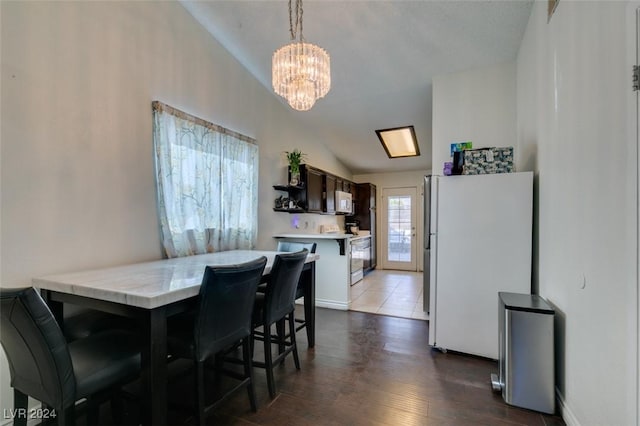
x: 309, y: 290
x: 154, y: 367
x: 57, y: 308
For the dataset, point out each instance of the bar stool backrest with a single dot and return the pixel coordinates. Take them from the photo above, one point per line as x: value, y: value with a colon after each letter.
x: 39, y: 360
x: 292, y: 246
x: 227, y: 295
x: 281, y: 289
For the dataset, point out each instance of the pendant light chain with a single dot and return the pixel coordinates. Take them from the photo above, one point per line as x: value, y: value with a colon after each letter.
x: 293, y: 29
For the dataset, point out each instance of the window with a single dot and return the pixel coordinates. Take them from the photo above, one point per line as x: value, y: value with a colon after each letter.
x: 399, y: 228
x: 207, y: 184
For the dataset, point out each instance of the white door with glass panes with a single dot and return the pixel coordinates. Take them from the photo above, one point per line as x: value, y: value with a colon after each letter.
x: 399, y: 229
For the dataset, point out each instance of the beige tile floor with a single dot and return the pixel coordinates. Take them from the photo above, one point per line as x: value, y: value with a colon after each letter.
x: 387, y: 292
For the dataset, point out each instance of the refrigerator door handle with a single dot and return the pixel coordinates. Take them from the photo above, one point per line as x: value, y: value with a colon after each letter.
x: 427, y: 212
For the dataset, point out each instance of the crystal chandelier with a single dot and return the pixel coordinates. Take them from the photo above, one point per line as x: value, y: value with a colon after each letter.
x: 300, y: 71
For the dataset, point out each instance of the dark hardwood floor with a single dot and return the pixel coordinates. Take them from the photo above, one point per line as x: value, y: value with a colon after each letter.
x: 367, y: 369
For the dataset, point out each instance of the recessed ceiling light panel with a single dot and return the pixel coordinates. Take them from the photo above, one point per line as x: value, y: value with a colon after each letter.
x: 399, y: 142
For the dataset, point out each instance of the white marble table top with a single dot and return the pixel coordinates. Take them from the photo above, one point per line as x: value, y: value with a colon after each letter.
x: 150, y: 284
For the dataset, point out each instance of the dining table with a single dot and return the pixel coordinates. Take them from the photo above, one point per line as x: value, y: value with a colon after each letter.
x: 150, y: 292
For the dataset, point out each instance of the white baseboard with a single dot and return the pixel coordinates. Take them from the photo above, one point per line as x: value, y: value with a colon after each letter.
x: 332, y: 304
x: 323, y: 303
x: 565, y: 411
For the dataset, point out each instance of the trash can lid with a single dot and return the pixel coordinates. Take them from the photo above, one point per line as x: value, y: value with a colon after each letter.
x: 525, y: 302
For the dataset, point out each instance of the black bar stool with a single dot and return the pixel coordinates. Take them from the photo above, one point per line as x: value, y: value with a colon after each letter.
x: 47, y: 368
x: 275, y: 306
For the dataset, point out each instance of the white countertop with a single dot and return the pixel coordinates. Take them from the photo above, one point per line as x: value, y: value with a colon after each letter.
x: 331, y: 236
x: 150, y: 284
x: 359, y: 237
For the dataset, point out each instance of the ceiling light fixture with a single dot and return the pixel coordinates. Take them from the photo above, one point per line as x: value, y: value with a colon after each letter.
x: 300, y: 71
x: 399, y: 141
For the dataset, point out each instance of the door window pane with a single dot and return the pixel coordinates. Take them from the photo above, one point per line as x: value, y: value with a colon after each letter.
x: 399, y: 229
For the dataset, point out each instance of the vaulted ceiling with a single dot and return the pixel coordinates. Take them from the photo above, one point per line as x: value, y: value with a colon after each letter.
x: 384, y: 55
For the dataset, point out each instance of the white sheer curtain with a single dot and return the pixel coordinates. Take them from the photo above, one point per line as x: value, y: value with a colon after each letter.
x: 207, y: 182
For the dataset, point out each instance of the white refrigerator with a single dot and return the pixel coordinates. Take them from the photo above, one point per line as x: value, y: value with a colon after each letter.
x: 480, y: 230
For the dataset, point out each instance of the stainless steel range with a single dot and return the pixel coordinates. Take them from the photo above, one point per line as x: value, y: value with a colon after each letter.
x: 359, y: 251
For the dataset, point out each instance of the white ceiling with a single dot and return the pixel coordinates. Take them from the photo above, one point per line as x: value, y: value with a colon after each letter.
x: 384, y: 55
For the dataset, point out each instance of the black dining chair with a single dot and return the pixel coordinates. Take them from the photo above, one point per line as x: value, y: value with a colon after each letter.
x: 45, y: 367
x: 293, y: 246
x: 277, y: 306
x: 219, y: 325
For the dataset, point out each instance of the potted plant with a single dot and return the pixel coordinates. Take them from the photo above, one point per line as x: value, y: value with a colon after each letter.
x: 294, y: 158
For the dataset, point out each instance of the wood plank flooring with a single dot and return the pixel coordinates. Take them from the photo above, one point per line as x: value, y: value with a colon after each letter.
x: 371, y: 369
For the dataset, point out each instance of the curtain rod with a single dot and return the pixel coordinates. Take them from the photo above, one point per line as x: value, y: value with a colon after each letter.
x: 159, y: 106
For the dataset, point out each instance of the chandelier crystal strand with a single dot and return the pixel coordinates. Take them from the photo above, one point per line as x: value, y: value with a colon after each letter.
x: 301, y: 71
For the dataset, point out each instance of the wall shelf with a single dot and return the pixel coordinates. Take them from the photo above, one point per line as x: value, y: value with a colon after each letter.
x: 275, y: 209
x: 287, y: 188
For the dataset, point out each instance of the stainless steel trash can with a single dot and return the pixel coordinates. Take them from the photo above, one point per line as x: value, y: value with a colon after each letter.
x: 526, y: 352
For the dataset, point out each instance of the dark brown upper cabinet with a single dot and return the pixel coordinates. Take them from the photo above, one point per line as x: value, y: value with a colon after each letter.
x: 316, y: 192
x: 314, y: 182
x: 329, y: 194
x: 346, y: 186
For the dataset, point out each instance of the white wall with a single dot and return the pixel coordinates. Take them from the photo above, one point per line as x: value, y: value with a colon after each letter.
x: 397, y: 180
x: 77, y: 176
x: 574, y: 84
x: 477, y: 105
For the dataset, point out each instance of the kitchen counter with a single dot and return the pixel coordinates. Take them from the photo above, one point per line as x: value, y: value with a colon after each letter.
x: 328, y: 236
x: 333, y: 277
x: 358, y: 237
x: 341, y: 238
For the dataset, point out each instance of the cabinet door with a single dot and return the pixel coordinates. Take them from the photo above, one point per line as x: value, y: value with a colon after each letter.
x: 363, y: 207
x: 354, y: 196
x: 330, y: 194
x: 374, y: 254
x: 314, y: 190
x: 372, y: 209
x: 373, y: 224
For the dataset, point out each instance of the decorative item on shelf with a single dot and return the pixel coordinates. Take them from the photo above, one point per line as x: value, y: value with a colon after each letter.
x: 278, y: 202
x: 488, y: 160
x: 301, y: 71
x: 457, y: 157
x: 460, y: 146
x: 294, y: 158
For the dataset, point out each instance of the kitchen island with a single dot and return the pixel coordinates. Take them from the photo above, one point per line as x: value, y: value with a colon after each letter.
x: 333, y: 274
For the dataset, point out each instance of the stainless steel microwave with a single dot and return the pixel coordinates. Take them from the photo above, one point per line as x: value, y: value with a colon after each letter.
x: 343, y: 202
